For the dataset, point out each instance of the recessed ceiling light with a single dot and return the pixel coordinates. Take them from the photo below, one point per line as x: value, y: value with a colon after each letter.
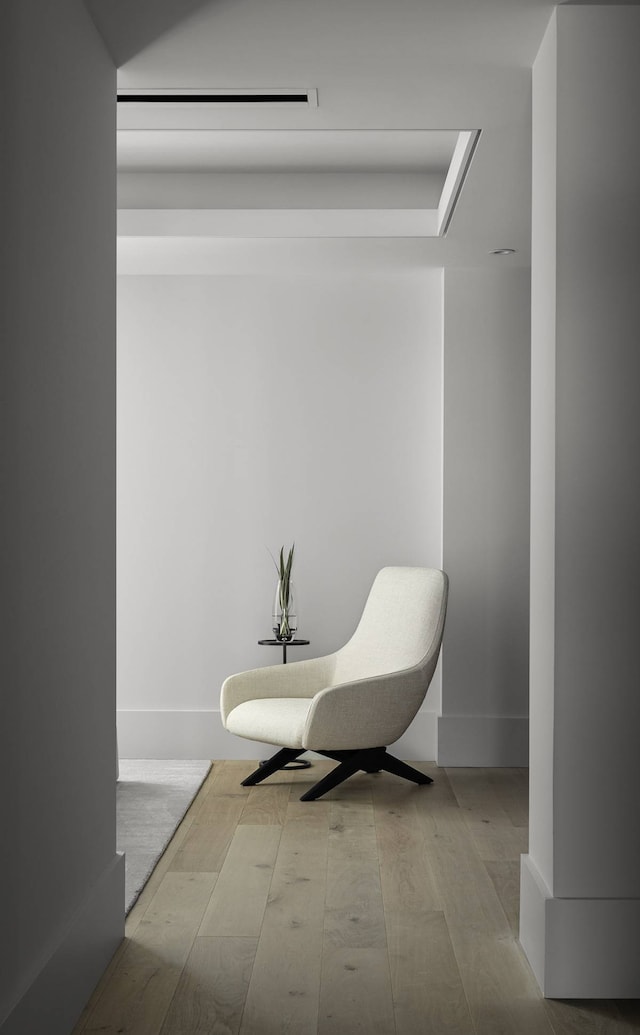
x: 504, y: 251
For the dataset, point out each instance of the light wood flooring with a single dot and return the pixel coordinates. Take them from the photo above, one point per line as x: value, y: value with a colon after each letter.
x: 383, y: 909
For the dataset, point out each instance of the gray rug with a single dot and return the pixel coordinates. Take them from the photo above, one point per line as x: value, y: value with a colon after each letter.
x: 152, y: 798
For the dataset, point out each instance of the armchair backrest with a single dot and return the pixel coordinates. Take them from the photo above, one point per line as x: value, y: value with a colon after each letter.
x: 401, y: 625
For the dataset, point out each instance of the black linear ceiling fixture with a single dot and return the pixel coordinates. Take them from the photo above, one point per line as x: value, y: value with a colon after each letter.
x: 213, y: 98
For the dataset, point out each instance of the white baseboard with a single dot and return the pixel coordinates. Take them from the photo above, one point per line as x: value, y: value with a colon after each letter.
x: 534, y: 895
x: 200, y: 734
x: 180, y: 734
x: 482, y: 740
x: 61, y: 982
x: 453, y: 740
x: 579, y: 948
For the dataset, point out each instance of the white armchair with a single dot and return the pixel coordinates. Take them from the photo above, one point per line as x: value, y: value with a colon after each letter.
x: 351, y: 704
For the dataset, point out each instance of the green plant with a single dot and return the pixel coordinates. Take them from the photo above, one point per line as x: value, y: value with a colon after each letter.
x: 283, y: 567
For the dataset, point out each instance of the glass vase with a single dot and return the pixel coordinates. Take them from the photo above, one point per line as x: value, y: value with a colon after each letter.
x: 285, y: 612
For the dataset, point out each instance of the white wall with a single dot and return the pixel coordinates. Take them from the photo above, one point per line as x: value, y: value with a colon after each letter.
x: 62, y: 882
x: 486, y: 516
x: 253, y: 411
x: 580, y: 918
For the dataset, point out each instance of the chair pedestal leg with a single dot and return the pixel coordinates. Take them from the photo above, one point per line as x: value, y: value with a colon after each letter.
x: 393, y: 765
x: 369, y: 760
x: 348, y: 766
x: 272, y: 765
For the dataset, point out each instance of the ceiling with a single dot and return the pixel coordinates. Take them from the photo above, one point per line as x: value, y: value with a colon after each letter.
x: 357, y: 178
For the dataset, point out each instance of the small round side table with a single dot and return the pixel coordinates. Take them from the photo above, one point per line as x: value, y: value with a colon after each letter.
x: 284, y: 644
x: 298, y: 763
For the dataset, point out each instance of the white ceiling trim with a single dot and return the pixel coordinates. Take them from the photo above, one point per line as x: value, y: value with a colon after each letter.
x: 279, y: 223
x: 211, y: 149
x: 460, y: 163
x: 207, y: 256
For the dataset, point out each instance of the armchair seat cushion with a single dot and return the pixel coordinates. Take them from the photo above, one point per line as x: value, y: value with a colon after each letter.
x: 273, y: 720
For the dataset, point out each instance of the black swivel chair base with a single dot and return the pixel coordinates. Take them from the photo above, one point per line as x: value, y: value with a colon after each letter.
x: 368, y: 760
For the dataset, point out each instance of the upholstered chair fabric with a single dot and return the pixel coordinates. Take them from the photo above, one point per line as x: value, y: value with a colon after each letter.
x: 364, y: 695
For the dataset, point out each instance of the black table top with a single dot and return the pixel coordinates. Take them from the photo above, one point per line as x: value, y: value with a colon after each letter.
x: 284, y: 643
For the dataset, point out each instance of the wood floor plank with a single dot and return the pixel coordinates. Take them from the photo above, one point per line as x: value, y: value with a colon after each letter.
x: 477, y: 796
x: 205, y: 846
x: 468, y: 895
x: 211, y: 993
x: 238, y: 902
x: 357, y: 788
x: 437, y: 800
x: 408, y: 884
x: 428, y: 992
x: 206, y: 843
x: 319, y: 768
x: 505, y: 877
x: 142, y: 985
x: 208, y: 784
x: 511, y: 787
x: 266, y: 803
x: 228, y: 777
x: 355, y: 993
x: 501, y: 991
x: 283, y: 996
x: 354, y: 914
x: 499, y: 843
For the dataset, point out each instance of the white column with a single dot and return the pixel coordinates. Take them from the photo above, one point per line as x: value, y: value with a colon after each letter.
x: 580, y: 901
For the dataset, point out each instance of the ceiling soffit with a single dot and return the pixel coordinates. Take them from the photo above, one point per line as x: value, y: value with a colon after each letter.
x: 296, y: 183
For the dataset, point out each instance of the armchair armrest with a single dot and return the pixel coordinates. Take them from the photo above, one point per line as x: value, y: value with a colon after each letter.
x: 297, y: 679
x: 365, y: 713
